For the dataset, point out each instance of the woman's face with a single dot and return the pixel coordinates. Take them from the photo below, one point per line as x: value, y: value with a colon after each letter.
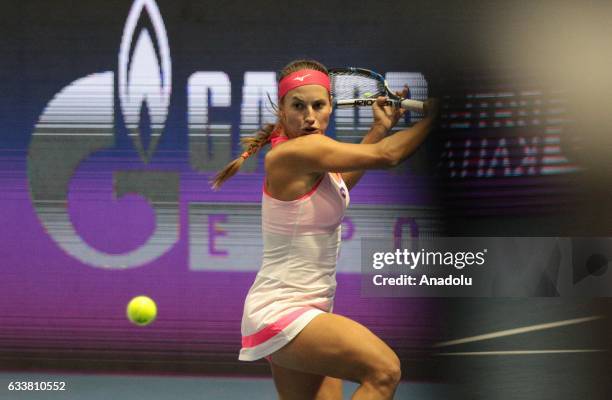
x: 305, y: 110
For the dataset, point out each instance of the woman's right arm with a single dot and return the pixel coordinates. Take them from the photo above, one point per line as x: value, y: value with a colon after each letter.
x: 318, y: 153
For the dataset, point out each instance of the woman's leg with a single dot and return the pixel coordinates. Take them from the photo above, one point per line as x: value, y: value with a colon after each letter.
x: 332, y: 345
x: 296, y: 385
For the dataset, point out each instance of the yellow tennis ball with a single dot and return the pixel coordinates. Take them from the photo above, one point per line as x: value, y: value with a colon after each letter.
x: 141, y: 310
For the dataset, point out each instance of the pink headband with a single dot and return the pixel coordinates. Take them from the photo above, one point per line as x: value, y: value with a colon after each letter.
x: 301, y: 78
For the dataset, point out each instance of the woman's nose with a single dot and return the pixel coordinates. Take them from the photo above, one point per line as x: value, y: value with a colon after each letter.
x: 309, y: 116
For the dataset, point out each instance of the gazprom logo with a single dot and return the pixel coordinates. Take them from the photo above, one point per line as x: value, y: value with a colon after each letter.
x: 80, y: 121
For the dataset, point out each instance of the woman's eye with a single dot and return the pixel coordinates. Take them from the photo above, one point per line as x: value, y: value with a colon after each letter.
x: 298, y: 106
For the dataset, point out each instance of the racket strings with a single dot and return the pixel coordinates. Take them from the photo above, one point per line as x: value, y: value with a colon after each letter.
x: 346, y: 86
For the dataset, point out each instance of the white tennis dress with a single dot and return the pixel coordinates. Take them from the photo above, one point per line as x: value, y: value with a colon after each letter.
x: 297, y: 279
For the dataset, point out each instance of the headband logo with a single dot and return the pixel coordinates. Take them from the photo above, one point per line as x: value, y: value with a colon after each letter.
x: 301, y: 78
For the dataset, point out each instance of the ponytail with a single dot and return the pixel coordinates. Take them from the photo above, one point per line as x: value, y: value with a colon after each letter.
x: 251, y: 145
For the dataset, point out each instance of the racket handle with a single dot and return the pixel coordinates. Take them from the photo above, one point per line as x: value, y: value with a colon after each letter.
x: 412, y: 105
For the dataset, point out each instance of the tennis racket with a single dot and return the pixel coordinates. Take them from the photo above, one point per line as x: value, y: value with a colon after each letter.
x: 358, y: 87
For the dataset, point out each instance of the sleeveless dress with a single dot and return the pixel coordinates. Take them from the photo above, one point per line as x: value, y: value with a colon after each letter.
x: 297, y: 279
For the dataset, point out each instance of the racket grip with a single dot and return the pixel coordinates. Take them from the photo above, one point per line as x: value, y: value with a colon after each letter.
x: 412, y: 105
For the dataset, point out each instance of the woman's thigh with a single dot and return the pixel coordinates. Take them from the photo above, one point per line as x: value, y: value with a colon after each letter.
x: 332, y: 345
x: 296, y: 385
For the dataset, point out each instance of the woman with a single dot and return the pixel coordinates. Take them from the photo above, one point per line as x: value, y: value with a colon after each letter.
x: 287, y: 314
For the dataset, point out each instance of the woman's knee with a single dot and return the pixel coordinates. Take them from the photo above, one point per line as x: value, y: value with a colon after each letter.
x: 386, y: 373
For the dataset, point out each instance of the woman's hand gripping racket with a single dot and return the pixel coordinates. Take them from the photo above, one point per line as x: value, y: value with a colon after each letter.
x: 356, y: 87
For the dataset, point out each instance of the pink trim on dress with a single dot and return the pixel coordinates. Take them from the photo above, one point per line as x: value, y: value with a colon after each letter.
x: 276, y: 138
x: 273, y: 329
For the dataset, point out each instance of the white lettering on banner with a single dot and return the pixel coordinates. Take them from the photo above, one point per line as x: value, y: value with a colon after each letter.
x: 200, y: 85
x: 228, y: 236
x: 210, y: 144
x: 255, y: 108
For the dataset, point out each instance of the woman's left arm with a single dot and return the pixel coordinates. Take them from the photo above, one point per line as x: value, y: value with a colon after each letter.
x: 376, y: 133
x: 385, y: 118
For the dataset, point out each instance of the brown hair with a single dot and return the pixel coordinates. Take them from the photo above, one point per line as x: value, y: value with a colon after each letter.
x: 253, y: 144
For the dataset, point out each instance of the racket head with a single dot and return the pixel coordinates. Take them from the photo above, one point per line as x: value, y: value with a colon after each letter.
x: 357, y: 86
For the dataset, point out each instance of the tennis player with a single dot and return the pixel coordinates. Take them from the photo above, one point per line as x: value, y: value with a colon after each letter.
x: 288, y: 315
